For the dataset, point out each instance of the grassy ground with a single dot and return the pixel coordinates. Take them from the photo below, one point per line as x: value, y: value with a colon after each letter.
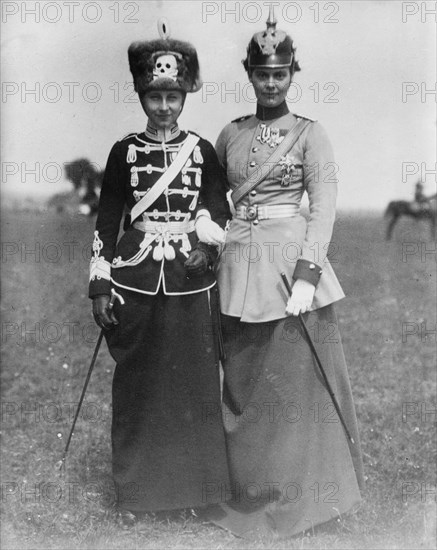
x: 47, y: 341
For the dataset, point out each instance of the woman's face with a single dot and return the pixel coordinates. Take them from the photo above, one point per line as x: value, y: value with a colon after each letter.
x: 270, y: 85
x: 162, y: 107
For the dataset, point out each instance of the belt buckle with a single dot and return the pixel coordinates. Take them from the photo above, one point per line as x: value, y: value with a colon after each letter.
x: 251, y: 213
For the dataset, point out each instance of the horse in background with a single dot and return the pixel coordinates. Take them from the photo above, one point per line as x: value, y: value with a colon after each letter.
x: 418, y: 211
x: 86, y: 178
x: 87, y: 182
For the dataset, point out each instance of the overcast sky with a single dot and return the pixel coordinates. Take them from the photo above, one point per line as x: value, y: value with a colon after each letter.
x: 368, y: 75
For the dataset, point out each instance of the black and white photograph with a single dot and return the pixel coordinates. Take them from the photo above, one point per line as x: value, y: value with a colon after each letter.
x: 219, y: 274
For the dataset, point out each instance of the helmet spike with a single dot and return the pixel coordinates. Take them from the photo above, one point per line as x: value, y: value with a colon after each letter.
x: 271, y: 47
x: 271, y: 21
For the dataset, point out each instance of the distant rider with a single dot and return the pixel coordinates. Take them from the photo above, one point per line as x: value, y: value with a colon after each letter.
x: 421, y: 201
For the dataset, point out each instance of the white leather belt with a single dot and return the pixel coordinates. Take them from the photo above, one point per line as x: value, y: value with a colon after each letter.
x: 165, y: 227
x: 256, y: 212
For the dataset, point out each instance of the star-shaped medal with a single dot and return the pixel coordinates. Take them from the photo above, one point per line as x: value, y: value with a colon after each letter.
x: 287, y: 167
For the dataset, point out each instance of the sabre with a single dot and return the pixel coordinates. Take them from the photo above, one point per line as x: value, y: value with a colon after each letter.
x: 114, y: 296
x: 319, y: 364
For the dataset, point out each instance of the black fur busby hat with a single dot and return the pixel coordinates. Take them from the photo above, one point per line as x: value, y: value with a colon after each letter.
x: 164, y: 64
x: 271, y: 48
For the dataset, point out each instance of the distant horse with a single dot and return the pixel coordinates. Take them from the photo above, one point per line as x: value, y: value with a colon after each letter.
x: 86, y: 178
x: 396, y: 209
x: 89, y: 193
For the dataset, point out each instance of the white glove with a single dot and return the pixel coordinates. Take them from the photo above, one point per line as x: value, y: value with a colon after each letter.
x: 209, y: 232
x: 301, y: 299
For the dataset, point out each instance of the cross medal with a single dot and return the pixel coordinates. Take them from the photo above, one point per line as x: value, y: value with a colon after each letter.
x: 270, y: 135
x: 287, y: 167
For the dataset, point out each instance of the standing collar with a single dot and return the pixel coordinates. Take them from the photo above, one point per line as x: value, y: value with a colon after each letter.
x: 157, y: 134
x: 270, y: 113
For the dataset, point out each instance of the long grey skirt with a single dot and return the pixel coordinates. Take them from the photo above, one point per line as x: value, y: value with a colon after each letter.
x: 292, y: 466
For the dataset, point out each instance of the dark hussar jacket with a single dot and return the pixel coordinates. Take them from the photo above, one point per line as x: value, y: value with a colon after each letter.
x: 153, y: 249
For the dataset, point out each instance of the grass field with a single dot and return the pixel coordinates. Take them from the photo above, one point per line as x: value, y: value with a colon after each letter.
x: 388, y: 323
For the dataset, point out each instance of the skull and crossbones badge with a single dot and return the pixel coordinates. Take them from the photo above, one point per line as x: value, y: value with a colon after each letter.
x: 166, y: 66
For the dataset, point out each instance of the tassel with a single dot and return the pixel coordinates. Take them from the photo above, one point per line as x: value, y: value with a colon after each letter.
x: 169, y: 252
x: 186, y: 246
x: 134, y: 176
x: 158, y: 252
x: 131, y: 154
x: 197, y: 155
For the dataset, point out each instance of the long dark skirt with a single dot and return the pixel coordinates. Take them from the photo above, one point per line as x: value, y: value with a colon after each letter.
x: 168, y: 443
x: 290, y: 462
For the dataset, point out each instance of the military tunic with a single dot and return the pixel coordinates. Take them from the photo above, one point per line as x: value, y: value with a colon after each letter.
x: 290, y: 462
x: 164, y: 447
x: 257, y: 252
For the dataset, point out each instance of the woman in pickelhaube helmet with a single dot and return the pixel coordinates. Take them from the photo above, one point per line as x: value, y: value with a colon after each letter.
x: 292, y: 465
x: 163, y: 338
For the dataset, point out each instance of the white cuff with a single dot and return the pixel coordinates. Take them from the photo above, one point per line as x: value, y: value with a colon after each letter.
x: 203, y: 212
x: 100, y: 269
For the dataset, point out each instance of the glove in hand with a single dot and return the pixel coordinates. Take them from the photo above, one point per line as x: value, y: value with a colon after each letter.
x: 301, y: 299
x: 197, y: 263
x: 209, y: 232
x: 103, y: 316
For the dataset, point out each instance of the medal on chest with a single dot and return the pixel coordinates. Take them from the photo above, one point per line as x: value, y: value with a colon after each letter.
x: 270, y: 135
x: 287, y: 167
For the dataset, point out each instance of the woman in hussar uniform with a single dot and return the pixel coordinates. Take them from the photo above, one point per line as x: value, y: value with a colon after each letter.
x: 163, y: 338
x: 292, y: 466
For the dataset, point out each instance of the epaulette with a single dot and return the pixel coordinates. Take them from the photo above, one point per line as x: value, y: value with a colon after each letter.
x: 132, y: 134
x: 305, y: 118
x: 245, y: 117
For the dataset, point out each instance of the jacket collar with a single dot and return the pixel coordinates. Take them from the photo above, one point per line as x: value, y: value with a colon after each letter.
x: 270, y: 113
x: 157, y: 134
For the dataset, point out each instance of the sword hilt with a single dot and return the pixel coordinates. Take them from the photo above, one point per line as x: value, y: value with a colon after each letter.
x: 115, y: 296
